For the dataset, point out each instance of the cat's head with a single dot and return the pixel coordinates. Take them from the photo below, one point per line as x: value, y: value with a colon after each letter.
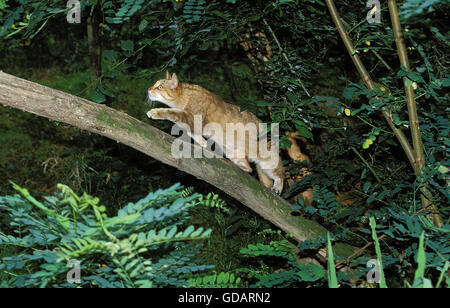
x: 166, y: 91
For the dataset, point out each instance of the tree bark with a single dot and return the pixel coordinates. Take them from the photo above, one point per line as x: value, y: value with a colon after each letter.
x: 63, y: 107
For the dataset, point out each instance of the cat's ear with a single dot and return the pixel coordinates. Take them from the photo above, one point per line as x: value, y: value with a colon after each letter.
x: 174, y: 82
x: 167, y: 75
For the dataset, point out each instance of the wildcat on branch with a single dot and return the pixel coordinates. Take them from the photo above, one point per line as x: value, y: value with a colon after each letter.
x: 236, y: 133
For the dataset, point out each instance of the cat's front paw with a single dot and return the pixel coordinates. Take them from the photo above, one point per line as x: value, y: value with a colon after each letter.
x: 154, y: 114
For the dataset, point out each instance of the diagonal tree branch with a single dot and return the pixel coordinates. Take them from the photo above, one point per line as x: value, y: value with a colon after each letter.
x: 81, y: 113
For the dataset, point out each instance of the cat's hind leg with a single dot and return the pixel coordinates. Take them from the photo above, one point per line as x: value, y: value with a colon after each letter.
x: 238, y: 158
x: 276, y: 174
x: 263, y: 178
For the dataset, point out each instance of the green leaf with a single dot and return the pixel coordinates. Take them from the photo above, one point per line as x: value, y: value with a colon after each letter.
x: 127, y: 45
x: 442, y: 169
x: 111, y: 55
x: 332, y: 278
x: 143, y: 25
x: 172, y: 232
x: 421, y: 260
x: 188, y: 231
x: 302, y: 129
x: 443, y: 273
x: 373, y: 225
x: 367, y: 144
x: 96, y: 96
x: 105, y: 91
x: 77, y: 87
x: 311, y: 272
x: 366, y: 186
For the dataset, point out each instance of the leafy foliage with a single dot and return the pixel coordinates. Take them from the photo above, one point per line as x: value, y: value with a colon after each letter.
x: 144, y: 245
x: 332, y: 278
x: 212, y: 200
x: 378, y: 251
x: 222, y: 280
x: 415, y: 7
x: 292, y: 273
x: 192, y: 10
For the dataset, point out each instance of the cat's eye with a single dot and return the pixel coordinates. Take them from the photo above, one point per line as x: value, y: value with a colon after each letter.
x: 159, y: 87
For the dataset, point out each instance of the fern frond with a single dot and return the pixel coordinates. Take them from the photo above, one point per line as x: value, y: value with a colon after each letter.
x: 222, y: 280
x: 188, y: 191
x: 68, y: 227
x: 193, y: 10
x: 212, y: 200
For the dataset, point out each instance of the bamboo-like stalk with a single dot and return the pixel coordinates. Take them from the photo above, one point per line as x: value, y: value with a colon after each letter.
x: 410, y: 99
x: 412, y: 109
x: 370, y: 84
x: 365, y: 76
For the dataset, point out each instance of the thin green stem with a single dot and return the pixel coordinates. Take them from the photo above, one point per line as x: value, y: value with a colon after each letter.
x: 369, y: 167
x: 284, y: 54
x: 370, y: 84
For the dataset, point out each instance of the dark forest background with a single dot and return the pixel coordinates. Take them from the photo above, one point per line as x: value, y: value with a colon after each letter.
x: 282, y: 60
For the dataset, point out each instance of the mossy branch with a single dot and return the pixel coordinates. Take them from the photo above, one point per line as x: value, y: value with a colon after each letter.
x: 116, y: 125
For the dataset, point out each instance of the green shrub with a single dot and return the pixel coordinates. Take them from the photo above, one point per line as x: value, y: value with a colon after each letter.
x: 147, y: 244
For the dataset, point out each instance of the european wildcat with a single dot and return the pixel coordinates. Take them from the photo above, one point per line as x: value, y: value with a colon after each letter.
x: 188, y: 101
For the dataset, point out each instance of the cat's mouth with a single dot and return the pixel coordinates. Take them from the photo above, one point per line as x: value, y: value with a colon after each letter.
x: 151, y: 97
x: 151, y: 100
